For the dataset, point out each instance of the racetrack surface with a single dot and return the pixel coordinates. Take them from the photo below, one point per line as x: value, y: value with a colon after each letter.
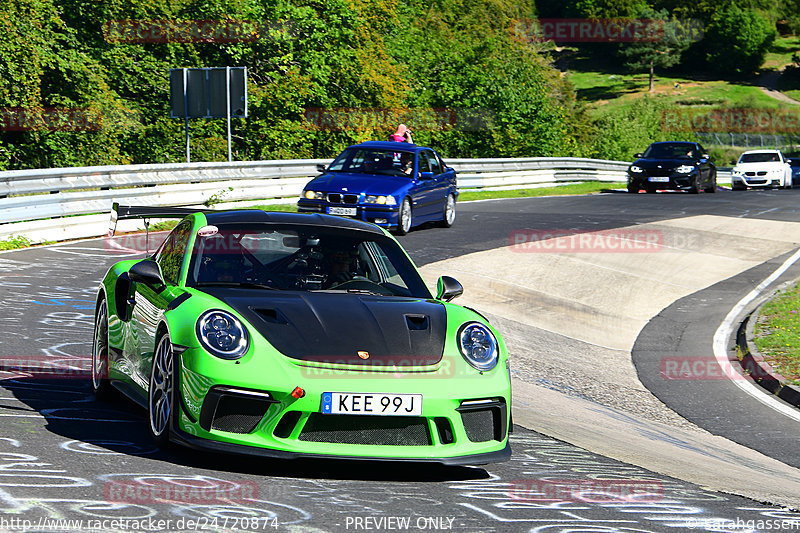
x: 54, y: 435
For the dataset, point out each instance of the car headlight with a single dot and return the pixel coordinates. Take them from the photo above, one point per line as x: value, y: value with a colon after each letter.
x: 684, y: 169
x: 636, y: 169
x: 380, y: 199
x: 736, y: 172
x: 222, y: 334
x: 314, y: 195
x: 478, y: 346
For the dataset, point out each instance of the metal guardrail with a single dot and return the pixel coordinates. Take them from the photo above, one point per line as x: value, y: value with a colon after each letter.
x: 63, y: 203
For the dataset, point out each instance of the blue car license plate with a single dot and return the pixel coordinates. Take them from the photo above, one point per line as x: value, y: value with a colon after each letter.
x: 346, y: 211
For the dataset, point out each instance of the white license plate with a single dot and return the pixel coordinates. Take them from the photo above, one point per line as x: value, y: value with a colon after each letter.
x: 658, y: 179
x: 346, y: 211
x: 371, y: 403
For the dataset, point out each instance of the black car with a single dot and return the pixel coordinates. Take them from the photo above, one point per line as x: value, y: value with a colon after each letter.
x: 673, y: 165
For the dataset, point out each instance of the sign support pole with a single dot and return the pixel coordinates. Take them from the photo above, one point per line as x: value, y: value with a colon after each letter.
x: 228, y: 107
x: 186, y: 113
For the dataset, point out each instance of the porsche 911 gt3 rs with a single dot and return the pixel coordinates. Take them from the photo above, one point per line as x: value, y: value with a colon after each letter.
x: 300, y: 335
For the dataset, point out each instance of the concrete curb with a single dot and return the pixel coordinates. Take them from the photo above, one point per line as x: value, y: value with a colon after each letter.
x: 753, y: 362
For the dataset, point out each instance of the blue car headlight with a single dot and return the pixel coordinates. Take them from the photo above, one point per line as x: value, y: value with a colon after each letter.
x: 314, y: 195
x: 380, y: 199
x: 684, y: 169
x: 222, y: 334
x: 478, y: 346
x: 636, y: 169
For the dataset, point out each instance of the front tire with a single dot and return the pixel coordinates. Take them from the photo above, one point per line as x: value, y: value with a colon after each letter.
x: 449, y: 216
x: 404, y: 218
x: 633, y: 189
x: 100, y: 384
x: 712, y: 188
x: 161, y: 405
x: 695, y: 188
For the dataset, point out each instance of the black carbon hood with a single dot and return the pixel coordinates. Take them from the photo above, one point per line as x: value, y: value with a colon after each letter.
x: 344, y: 328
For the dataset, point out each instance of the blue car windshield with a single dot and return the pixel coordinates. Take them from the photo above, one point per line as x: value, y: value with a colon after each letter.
x: 302, y: 258
x: 372, y: 161
x: 671, y: 151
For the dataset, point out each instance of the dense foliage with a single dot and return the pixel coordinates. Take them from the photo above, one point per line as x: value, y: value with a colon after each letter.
x: 736, y: 34
x: 451, y: 69
x: 468, y: 76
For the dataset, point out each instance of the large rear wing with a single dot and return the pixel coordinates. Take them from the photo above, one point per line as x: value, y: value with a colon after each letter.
x: 144, y: 212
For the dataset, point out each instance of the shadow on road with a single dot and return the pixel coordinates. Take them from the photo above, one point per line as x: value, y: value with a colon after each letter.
x: 120, y: 427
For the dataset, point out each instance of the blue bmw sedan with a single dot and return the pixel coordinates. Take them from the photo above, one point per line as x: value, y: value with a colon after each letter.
x: 394, y: 185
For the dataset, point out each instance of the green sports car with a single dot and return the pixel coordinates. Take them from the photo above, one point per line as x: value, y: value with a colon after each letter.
x: 300, y: 335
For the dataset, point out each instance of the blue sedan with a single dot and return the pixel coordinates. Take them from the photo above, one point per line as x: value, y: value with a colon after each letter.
x: 394, y: 185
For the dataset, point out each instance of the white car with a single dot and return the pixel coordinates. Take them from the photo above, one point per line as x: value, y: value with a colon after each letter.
x: 761, y: 168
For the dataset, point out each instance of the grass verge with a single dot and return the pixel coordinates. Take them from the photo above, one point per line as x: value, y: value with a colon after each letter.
x: 14, y: 243
x: 585, y: 187
x: 777, y: 333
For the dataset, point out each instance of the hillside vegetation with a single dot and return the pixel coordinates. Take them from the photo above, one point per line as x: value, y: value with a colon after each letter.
x: 471, y: 77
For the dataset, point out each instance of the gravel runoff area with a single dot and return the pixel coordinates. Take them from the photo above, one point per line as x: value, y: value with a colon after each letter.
x: 571, y: 319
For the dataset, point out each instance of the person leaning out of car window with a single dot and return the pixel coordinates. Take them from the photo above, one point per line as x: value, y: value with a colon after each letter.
x: 403, y: 134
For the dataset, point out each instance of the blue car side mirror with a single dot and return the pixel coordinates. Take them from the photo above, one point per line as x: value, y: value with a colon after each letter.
x: 426, y: 175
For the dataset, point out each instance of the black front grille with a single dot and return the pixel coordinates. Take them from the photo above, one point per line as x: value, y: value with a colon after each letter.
x: 479, y: 425
x: 229, y: 410
x: 659, y: 171
x: 367, y: 429
x: 484, y: 420
x: 338, y: 198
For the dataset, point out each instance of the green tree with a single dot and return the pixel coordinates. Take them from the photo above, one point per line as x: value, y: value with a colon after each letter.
x: 662, y: 48
x: 631, y: 129
x: 737, y: 39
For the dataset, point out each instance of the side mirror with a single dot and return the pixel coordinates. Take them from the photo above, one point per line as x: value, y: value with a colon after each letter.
x: 321, y: 167
x: 426, y: 175
x: 705, y: 156
x: 147, y: 272
x: 448, y: 288
x: 638, y: 156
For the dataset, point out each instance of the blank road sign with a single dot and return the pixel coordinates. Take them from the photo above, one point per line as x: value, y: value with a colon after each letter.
x: 206, y: 90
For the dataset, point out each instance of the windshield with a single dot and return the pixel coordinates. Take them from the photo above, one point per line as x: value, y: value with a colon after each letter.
x: 764, y: 157
x: 370, y: 161
x: 671, y: 151
x: 302, y: 259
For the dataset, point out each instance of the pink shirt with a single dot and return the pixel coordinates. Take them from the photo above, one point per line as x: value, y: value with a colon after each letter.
x: 397, y: 138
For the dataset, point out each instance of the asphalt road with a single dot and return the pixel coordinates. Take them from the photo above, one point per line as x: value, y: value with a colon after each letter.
x: 65, y: 456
